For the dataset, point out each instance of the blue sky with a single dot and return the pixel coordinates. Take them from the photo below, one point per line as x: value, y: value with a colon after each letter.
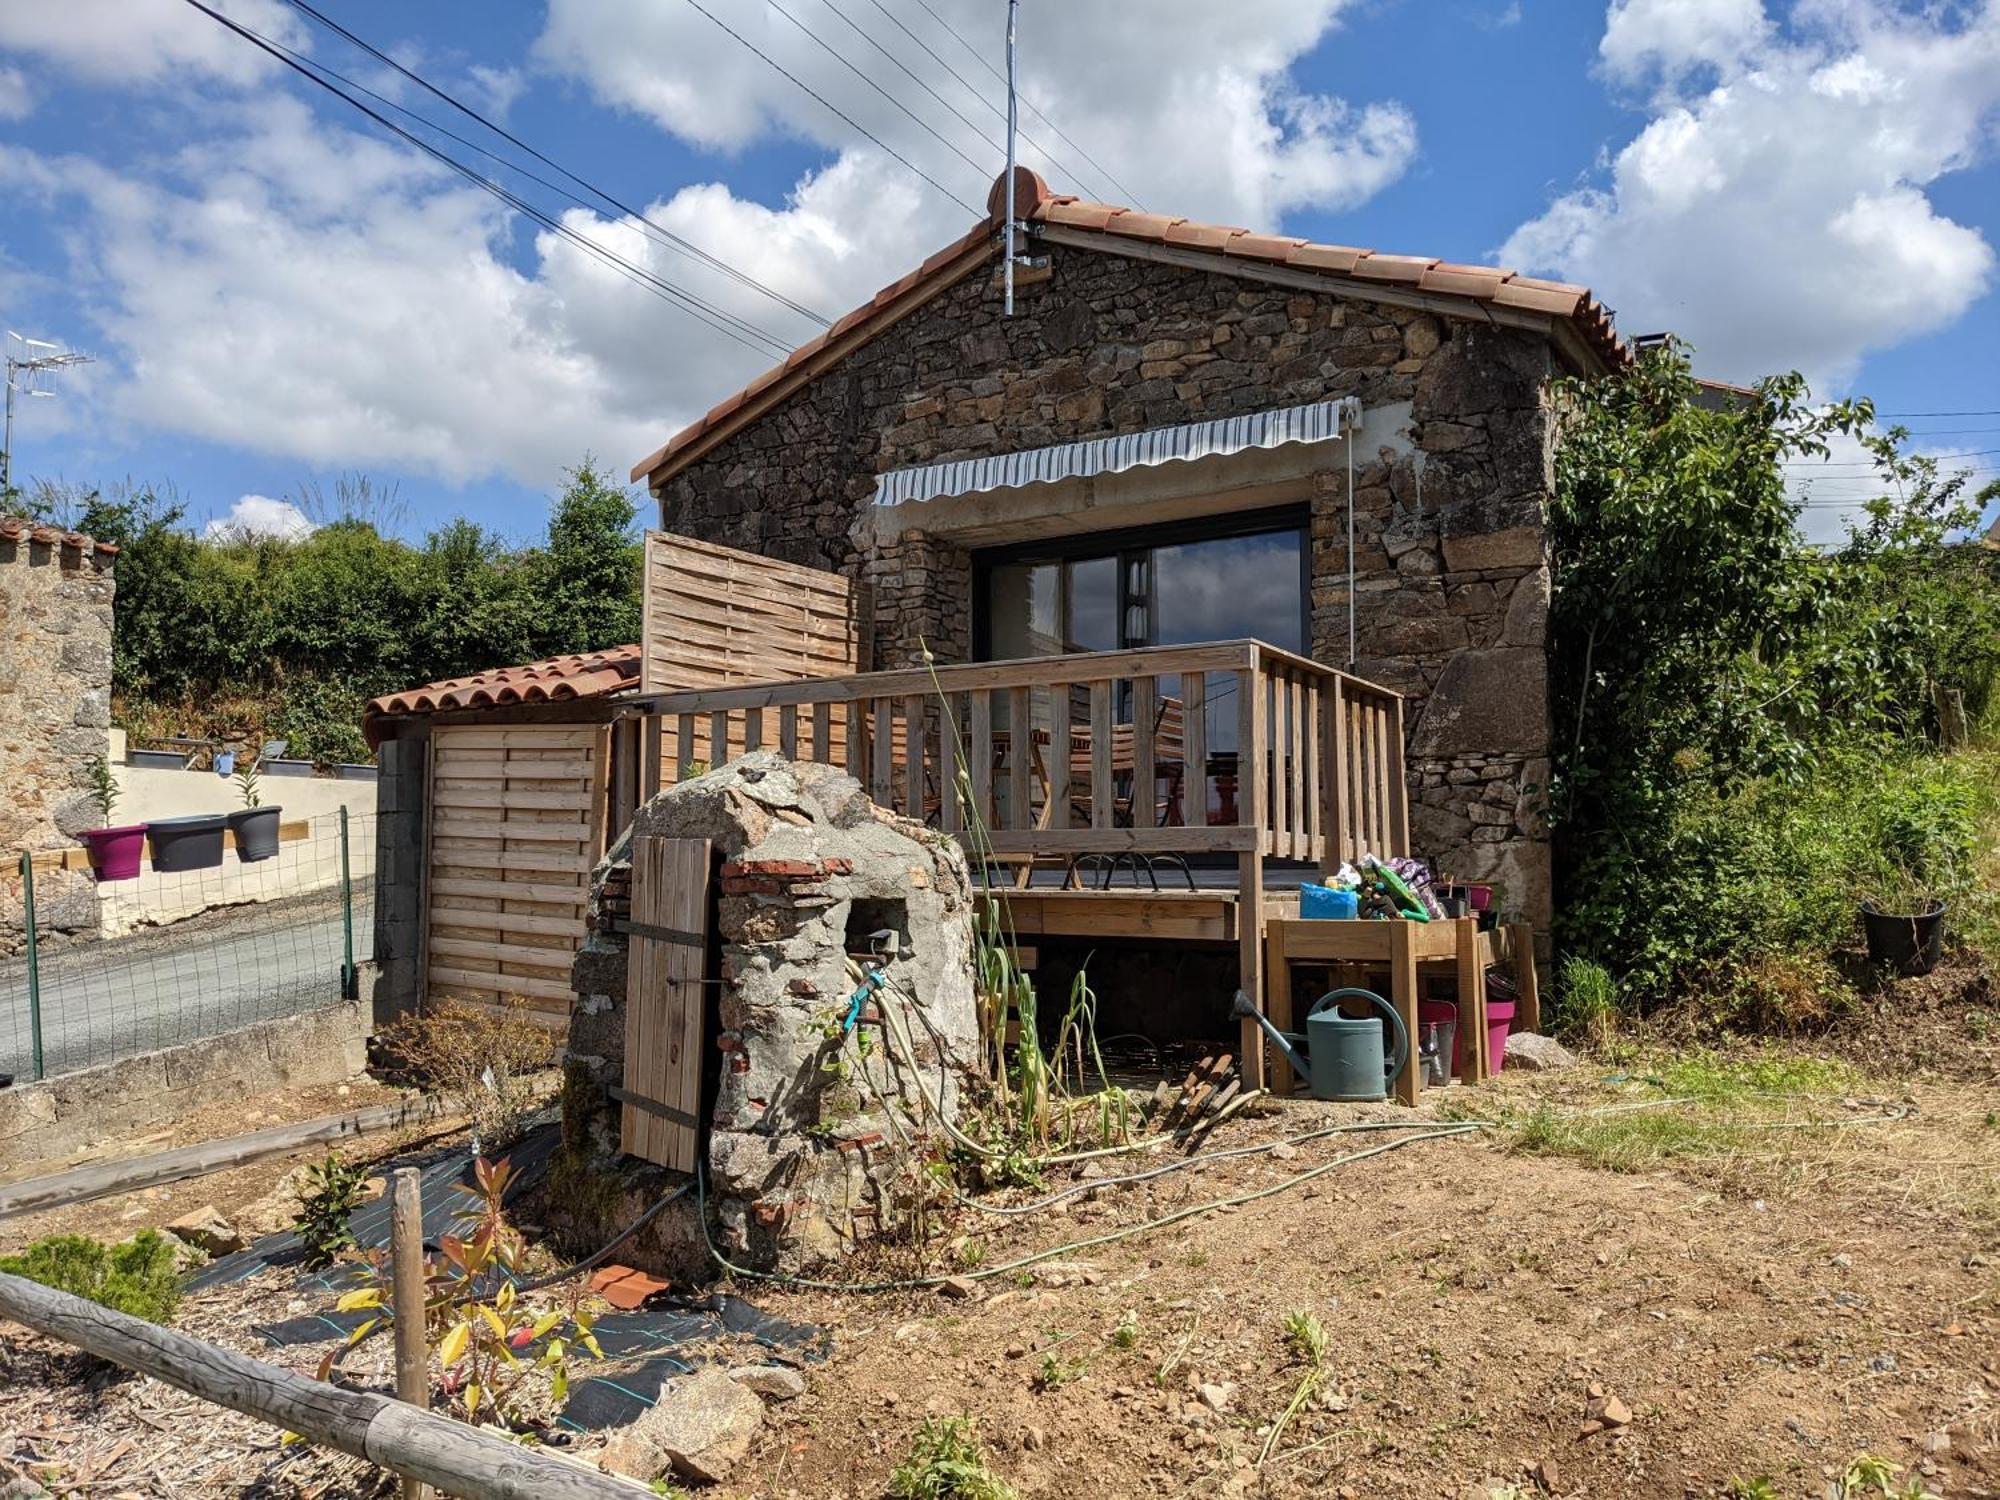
x: 277, y: 294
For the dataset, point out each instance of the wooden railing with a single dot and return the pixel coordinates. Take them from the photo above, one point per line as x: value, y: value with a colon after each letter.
x: 1226, y: 747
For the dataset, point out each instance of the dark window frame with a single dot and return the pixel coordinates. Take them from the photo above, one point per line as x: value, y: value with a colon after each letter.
x: 1127, y: 544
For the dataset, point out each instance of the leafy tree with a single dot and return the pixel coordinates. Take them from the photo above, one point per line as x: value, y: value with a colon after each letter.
x: 590, y: 595
x: 1702, y: 654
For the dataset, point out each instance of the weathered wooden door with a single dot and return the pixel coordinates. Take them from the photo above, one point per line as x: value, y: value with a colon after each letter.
x: 665, y: 1001
x: 516, y: 826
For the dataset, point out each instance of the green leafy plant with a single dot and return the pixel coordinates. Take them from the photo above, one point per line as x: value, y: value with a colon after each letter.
x: 1760, y: 1488
x: 329, y: 1191
x: 1056, y: 1372
x: 104, y: 792
x: 946, y: 1462
x: 247, y: 777
x: 485, y: 1335
x: 1870, y: 1475
x: 1126, y: 1335
x: 1307, y: 1339
x: 1713, y: 677
x: 138, y: 1277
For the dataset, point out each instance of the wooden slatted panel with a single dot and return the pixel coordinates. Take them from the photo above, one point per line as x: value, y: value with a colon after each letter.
x: 714, y: 615
x: 516, y: 826
x: 665, y: 1001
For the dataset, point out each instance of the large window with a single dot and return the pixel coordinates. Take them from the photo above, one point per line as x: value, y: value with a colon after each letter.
x: 1166, y: 586
x: 1161, y: 587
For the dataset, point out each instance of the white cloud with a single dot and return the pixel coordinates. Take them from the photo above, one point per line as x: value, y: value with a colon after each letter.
x: 307, y: 292
x: 1194, y: 110
x: 1777, y: 214
x: 131, y: 41
x: 259, y: 516
x: 17, y: 98
x: 1675, y: 37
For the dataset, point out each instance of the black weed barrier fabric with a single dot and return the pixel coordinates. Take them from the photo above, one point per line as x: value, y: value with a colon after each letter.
x: 643, y: 1349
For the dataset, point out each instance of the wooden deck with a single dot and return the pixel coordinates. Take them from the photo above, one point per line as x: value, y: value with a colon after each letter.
x: 1229, y: 748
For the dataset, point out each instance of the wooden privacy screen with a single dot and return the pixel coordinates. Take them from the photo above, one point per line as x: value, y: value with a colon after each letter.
x: 715, y: 616
x: 516, y: 826
x: 665, y: 1001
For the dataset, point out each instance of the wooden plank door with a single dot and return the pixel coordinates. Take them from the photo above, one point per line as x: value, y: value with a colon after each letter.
x: 517, y: 818
x: 665, y: 1001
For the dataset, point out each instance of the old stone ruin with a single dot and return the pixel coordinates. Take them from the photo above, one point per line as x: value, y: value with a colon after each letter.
x: 812, y: 1131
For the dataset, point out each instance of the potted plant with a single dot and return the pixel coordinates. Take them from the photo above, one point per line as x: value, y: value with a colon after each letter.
x: 1904, y: 924
x: 114, y: 852
x: 253, y: 825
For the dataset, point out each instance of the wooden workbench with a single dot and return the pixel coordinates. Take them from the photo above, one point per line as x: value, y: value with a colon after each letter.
x: 1405, y: 950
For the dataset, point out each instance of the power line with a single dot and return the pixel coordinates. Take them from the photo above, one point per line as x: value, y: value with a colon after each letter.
x: 1900, y: 415
x: 855, y: 27
x: 1127, y: 192
x: 678, y: 242
x: 831, y: 107
x: 1869, y: 463
x: 916, y: 119
x: 716, y: 318
x: 995, y: 110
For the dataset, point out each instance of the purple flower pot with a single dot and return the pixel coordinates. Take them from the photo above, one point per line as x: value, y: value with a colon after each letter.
x: 115, y: 852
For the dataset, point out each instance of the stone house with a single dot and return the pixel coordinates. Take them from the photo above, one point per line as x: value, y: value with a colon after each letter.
x: 1187, y: 432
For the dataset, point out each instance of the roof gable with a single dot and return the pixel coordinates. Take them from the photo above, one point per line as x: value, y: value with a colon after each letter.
x: 1573, y: 316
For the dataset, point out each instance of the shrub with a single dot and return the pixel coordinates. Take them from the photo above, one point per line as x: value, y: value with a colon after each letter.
x: 481, y: 1062
x: 137, y: 1277
x: 329, y: 1191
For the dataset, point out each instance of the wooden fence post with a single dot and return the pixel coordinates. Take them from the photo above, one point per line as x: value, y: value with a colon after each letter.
x: 406, y: 1262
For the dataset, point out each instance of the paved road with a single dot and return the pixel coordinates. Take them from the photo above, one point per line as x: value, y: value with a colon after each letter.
x: 198, y: 978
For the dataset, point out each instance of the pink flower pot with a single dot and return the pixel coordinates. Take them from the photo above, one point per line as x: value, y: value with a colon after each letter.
x: 115, y: 852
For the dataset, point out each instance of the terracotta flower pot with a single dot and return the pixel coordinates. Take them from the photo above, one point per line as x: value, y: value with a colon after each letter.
x: 115, y: 852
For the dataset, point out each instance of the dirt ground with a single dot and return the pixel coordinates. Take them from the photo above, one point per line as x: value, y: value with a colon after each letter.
x: 1770, y: 1306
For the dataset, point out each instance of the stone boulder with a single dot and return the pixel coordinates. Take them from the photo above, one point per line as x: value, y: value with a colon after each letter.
x: 1533, y: 1053
x: 206, y: 1229
x: 700, y: 1429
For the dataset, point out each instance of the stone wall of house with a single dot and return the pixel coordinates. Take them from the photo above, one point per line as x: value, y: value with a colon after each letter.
x: 1452, y: 572
x: 55, y: 714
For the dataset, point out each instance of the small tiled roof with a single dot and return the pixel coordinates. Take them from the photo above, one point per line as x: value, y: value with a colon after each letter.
x: 560, y: 679
x: 1485, y: 285
x: 16, y: 529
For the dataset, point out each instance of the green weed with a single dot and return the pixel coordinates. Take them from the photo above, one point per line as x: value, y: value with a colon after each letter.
x: 946, y: 1462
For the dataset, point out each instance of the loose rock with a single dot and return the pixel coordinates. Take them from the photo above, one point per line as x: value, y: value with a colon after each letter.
x: 701, y: 1429
x: 773, y: 1382
x: 1533, y: 1053
x: 206, y: 1229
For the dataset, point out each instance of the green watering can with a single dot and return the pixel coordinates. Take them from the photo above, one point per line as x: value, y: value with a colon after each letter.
x: 1344, y: 1055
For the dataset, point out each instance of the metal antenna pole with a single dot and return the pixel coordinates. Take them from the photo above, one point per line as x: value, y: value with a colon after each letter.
x: 22, y: 370
x: 1013, y: 120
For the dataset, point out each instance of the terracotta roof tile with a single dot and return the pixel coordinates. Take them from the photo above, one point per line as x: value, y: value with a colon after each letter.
x: 1408, y: 269
x: 1252, y: 246
x: 560, y: 679
x: 1324, y: 257
x: 1036, y: 204
x: 15, y: 529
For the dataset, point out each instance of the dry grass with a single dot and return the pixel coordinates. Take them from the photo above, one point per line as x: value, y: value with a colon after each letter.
x: 1766, y: 1124
x: 486, y: 1065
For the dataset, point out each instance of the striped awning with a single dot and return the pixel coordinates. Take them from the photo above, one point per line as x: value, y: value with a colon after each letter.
x: 1316, y: 423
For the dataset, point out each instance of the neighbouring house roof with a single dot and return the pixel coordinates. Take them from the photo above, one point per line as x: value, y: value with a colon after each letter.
x: 1993, y: 533
x: 560, y: 679
x: 1314, y: 423
x: 16, y: 529
x: 1108, y: 227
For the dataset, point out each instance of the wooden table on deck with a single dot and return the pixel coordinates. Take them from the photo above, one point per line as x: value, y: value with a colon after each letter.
x: 1406, y: 949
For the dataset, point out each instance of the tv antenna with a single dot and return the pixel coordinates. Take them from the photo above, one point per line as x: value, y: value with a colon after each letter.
x: 1013, y: 124
x: 31, y: 365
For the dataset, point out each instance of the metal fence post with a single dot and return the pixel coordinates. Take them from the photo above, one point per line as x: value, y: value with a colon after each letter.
x: 350, y: 977
x: 34, y: 965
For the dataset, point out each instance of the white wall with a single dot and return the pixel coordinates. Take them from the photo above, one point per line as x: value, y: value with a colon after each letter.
x: 147, y: 794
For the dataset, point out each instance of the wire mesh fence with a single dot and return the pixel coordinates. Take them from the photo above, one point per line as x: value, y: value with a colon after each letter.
x: 106, y: 970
